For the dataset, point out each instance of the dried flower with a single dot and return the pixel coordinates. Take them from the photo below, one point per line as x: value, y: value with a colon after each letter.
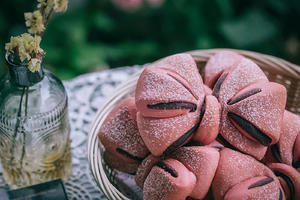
x: 34, y: 65
x: 25, y: 47
x: 42, y: 3
x: 58, y: 5
x: 35, y: 22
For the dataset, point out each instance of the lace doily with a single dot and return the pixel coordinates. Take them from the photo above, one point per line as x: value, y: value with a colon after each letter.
x: 86, y: 94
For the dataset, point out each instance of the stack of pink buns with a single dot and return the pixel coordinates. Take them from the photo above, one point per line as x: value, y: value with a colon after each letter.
x: 230, y: 138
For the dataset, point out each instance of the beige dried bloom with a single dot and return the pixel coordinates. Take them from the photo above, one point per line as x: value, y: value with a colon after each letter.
x: 34, y: 21
x: 42, y: 3
x: 24, y: 46
x: 34, y: 65
x: 58, y: 5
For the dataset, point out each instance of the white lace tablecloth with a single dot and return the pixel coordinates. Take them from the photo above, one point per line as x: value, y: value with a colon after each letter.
x: 86, y: 94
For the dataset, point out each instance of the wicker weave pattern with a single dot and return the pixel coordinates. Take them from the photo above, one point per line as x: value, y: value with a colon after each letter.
x: 276, y: 69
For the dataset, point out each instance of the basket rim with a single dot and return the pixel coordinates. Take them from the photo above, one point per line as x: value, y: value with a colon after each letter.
x: 94, y: 151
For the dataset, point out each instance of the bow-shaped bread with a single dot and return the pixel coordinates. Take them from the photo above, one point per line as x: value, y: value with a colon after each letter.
x: 173, y: 106
x: 252, y: 107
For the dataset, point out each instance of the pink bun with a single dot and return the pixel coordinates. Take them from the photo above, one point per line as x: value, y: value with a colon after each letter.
x: 289, y: 146
x: 290, y: 178
x: 120, y: 163
x: 170, y: 87
x: 120, y: 136
x: 207, y: 90
x: 269, y: 157
x: 287, y: 149
x: 262, y: 105
x: 217, y: 145
x: 237, y: 78
x: 231, y: 135
x: 215, y: 66
x: 163, y: 185
x: 209, y: 126
x: 203, y: 162
x: 261, y: 187
x: 144, y: 169
x: 157, y: 87
x: 160, y: 135
x: 186, y: 67
x: 233, y: 169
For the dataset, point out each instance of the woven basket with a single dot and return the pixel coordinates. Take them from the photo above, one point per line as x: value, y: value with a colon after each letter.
x: 276, y: 69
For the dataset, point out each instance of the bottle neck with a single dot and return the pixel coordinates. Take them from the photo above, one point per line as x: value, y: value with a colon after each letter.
x: 21, y: 75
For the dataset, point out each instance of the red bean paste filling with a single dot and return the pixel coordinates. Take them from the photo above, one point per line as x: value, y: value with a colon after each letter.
x: 289, y: 183
x: 296, y: 164
x: 280, y: 194
x: 250, y: 129
x: 222, y: 140
x: 185, y: 136
x: 202, y: 111
x: 275, y: 152
x: 167, y: 168
x: 180, y: 140
x: 173, y: 106
x: 261, y: 183
x: 128, y: 155
x: 217, y: 86
x: 244, y: 96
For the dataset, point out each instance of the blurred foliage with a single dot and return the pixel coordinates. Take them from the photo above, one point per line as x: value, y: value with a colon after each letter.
x: 94, y: 34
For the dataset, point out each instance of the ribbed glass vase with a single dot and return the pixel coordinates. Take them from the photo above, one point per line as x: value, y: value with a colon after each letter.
x: 34, y: 126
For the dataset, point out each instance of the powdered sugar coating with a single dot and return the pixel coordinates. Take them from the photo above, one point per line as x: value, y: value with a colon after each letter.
x: 290, y: 130
x: 234, y: 168
x: 144, y: 169
x: 119, y: 130
x: 245, y: 73
x: 161, y: 185
x: 184, y: 65
x: 209, y: 126
x: 203, y: 162
x: 240, y: 191
x: 158, y: 86
x: 159, y: 133
x: 264, y: 110
x: 232, y: 135
x: 218, y: 63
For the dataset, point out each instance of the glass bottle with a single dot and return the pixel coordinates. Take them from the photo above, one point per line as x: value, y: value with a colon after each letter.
x: 34, y: 126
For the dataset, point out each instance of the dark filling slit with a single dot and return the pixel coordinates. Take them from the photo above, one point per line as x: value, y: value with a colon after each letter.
x: 261, y: 183
x: 180, y: 140
x: 173, y: 105
x: 244, y: 96
x: 280, y: 194
x: 190, y: 198
x: 276, y: 153
x: 167, y: 168
x: 289, y: 183
x: 217, y: 86
x: 250, y: 129
x: 296, y: 164
x: 222, y: 140
x: 202, y: 111
x: 128, y: 155
x: 218, y: 147
x: 192, y: 144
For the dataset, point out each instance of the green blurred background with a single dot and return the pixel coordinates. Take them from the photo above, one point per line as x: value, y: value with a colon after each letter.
x: 96, y: 34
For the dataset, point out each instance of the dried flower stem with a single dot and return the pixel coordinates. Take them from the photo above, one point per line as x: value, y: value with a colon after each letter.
x: 37, y: 23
